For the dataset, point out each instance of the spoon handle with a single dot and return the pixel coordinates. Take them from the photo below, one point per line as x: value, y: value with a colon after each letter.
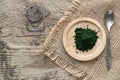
x: 108, y: 54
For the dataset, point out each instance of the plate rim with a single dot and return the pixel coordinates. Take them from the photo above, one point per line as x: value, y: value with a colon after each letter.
x: 89, y: 20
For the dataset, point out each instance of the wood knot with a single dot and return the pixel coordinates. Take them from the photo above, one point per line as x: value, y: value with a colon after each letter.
x: 34, y: 14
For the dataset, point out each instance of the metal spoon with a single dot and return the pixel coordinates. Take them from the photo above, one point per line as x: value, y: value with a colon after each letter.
x: 109, y: 21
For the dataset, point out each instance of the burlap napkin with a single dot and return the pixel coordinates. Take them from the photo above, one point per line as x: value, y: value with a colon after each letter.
x: 90, y: 70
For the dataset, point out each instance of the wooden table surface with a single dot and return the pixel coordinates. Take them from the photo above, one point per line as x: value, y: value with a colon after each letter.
x: 21, y: 40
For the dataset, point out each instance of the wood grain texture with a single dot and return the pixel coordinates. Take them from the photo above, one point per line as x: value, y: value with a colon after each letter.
x: 22, y: 41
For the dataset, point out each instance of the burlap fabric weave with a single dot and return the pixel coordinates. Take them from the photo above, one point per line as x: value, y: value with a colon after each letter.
x: 90, y: 70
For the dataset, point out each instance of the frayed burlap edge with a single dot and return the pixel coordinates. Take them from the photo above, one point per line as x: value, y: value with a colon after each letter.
x: 57, y: 59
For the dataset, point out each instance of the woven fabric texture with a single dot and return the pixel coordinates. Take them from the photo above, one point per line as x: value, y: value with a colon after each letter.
x: 94, y: 69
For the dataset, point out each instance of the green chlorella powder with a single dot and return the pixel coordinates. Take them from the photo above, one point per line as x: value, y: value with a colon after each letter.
x: 85, y: 39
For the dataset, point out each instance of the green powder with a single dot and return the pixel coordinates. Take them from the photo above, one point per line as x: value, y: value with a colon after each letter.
x: 85, y: 39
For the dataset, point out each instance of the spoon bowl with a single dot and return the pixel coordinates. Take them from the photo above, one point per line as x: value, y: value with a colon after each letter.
x: 109, y: 19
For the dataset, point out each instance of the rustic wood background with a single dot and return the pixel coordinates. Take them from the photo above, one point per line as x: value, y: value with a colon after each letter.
x: 21, y: 40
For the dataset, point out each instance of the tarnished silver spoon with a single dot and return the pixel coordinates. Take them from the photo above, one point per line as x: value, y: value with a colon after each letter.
x: 109, y: 21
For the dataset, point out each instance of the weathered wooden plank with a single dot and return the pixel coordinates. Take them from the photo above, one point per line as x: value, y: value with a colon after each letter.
x: 23, y: 38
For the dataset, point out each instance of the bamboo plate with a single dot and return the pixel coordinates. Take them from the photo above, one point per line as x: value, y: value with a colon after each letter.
x: 68, y: 39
